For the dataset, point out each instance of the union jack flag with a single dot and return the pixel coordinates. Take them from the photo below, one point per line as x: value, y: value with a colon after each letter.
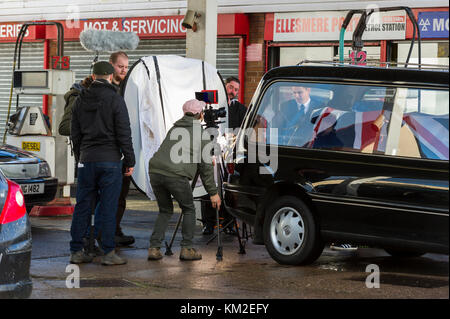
x: 431, y: 132
x: 358, y: 130
x: 349, y: 129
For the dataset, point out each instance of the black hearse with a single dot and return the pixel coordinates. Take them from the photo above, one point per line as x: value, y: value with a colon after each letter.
x: 365, y: 161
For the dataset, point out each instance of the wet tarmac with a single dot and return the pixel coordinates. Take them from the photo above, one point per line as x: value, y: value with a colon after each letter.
x: 254, y: 275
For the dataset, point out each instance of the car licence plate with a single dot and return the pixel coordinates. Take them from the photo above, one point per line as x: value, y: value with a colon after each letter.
x: 31, y: 146
x: 33, y: 188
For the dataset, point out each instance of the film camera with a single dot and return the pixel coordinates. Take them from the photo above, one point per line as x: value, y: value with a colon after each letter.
x: 211, y: 116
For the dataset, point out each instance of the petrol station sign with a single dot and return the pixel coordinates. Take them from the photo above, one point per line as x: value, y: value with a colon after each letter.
x: 325, y: 26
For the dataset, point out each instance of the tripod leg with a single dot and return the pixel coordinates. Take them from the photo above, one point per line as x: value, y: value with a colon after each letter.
x: 240, y: 240
x: 219, y: 254
x: 169, y: 246
x: 221, y: 230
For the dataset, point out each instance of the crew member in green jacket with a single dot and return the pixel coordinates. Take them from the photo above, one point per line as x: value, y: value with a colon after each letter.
x: 171, y: 172
x: 70, y: 97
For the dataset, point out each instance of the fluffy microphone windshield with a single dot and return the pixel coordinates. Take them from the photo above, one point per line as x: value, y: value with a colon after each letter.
x: 108, y: 41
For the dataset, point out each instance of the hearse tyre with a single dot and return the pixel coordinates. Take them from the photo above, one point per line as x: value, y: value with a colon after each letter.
x: 291, y: 233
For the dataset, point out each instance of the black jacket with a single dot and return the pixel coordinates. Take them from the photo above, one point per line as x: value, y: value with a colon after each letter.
x: 236, y: 114
x: 100, y: 127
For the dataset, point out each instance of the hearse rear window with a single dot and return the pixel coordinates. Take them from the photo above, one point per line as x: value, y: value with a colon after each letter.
x: 392, y: 121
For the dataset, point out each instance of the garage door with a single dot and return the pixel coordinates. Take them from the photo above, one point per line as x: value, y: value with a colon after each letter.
x: 32, y: 57
x: 227, y: 54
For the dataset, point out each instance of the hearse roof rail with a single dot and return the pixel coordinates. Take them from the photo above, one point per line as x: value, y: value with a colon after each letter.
x: 421, y: 66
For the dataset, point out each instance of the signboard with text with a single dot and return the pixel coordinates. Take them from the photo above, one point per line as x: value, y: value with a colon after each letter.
x: 144, y: 27
x: 326, y: 26
x: 10, y: 31
x: 433, y: 24
x: 166, y: 26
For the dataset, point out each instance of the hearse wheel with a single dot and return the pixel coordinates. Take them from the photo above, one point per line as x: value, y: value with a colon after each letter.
x: 291, y: 234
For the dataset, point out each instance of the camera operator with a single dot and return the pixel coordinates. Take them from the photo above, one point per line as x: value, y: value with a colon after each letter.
x: 169, y: 179
x: 236, y: 114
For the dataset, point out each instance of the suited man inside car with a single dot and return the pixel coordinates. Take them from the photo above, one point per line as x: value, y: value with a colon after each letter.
x: 293, y: 121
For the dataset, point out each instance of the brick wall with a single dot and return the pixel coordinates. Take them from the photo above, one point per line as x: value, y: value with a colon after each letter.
x: 254, y: 70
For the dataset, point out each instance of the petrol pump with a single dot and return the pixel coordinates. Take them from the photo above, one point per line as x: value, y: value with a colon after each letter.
x: 29, y: 127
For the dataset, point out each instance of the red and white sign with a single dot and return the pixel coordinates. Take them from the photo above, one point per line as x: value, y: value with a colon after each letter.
x: 10, y: 31
x: 144, y: 27
x: 326, y: 26
x: 166, y: 26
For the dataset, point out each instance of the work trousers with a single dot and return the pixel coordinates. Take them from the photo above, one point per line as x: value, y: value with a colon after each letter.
x: 164, y: 187
x: 102, y: 179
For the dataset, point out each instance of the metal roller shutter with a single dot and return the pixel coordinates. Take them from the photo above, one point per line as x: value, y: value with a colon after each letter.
x: 227, y: 54
x: 228, y: 57
x: 32, y: 57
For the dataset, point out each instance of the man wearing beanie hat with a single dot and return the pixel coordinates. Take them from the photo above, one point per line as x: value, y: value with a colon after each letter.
x: 101, y: 135
x: 170, y: 177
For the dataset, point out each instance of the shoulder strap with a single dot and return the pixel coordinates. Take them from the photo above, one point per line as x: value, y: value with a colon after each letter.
x: 203, y: 73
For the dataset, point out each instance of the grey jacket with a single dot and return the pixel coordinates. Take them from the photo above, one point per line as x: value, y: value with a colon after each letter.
x: 168, y: 160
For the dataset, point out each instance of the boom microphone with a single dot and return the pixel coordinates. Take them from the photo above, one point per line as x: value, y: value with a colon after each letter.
x: 108, y: 41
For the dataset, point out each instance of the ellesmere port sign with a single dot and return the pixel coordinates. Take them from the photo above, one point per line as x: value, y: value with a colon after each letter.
x: 325, y: 26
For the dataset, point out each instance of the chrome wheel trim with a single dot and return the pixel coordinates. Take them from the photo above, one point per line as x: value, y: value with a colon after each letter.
x: 287, y: 231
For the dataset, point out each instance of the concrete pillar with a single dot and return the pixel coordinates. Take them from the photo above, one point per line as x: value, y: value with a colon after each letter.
x: 202, y: 44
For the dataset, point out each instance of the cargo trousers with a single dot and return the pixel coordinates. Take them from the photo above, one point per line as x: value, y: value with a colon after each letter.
x: 164, y: 187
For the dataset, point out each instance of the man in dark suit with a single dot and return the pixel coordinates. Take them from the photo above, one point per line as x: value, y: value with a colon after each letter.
x: 293, y: 122
x: 236, y: 110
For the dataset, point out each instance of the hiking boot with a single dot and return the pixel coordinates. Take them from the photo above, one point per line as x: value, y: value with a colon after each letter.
x: 80, y: 257
x: 189, y: 254
x: 112, y: 258
x: 154, y: 254
x: 123, y: 240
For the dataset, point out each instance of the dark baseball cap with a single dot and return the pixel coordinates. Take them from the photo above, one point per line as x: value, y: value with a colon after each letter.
x: 103, y: 68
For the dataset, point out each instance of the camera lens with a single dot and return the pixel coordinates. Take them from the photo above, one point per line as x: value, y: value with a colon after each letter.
x: 221, y: 112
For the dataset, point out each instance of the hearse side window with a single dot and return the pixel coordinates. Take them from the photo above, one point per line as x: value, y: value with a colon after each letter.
x: 354, y: 118
x: 423, y: 131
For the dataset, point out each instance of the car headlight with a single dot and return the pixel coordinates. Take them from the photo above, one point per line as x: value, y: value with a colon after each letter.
x: 44, y: 170
x: 17, y: 171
